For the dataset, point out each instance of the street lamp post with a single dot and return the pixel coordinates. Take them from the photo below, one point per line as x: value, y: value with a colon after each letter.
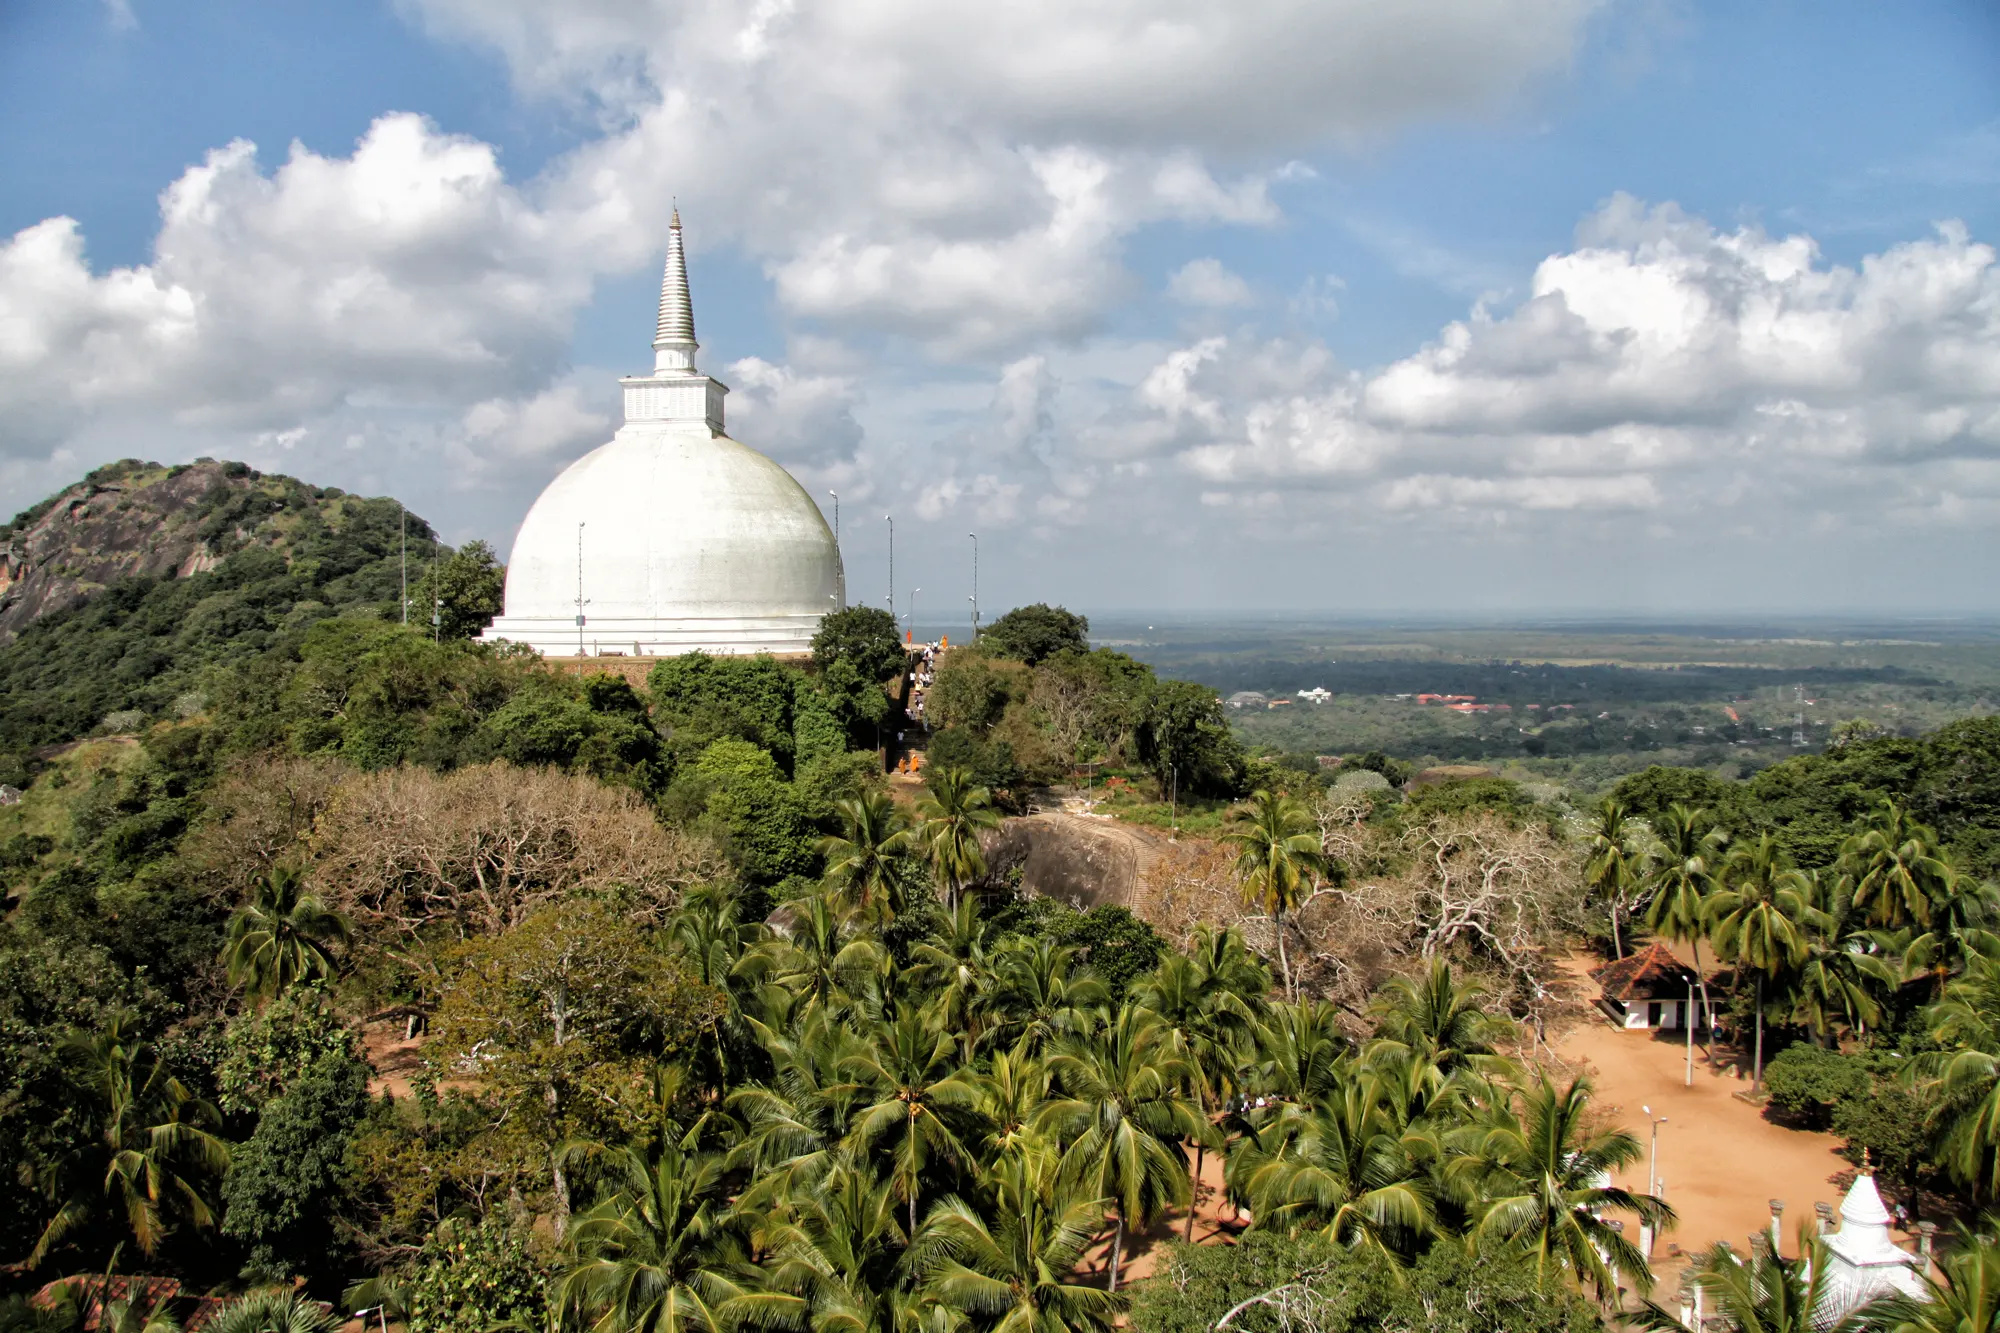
x: 1652, y: 1176
x: 913, y: 613
x: 839, y: 566
x: 891, y: 521
x: 1689, y: 1011
x: 975, y: 585
x: 580, y: 601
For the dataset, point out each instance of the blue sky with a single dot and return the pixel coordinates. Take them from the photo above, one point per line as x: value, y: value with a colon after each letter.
x: 1471, y: 307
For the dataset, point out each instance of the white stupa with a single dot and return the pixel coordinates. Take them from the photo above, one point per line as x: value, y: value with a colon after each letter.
x: 1862, y: 1262
x: 673, y: 538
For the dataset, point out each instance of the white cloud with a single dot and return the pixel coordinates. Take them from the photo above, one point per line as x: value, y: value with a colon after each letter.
x: 1662, y: 365
x: 1205, y: 282
x: 410, y: 272
x: 965, y: 173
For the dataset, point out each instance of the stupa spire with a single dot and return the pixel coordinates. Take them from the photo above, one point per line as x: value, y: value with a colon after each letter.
x: 673, y: 340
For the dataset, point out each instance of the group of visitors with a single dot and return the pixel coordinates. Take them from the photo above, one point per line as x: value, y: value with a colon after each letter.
x: 922, y: 672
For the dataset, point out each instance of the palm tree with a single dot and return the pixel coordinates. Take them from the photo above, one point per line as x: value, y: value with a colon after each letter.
x: 282, y: 1311
x: 864, y: 860
x: 1533, y: 1172
x: 1768, y: 1293
x: 1834, y: 984
x: 1620, y: 857
x: 1963, y: 1297
x: 821, y: 962
x: 1683, y: 874
x: 1960, y: 927
x: 1278, y: 856
x: 953, y: 968
x: 1124, y: 1100
x: 1347, y: 1169
x: 1192, y: 994
x: 831, y: 1259
x: 149, y: 1150
x: 1436, y: 1021
x: 1299, y: 1049
x: 1755, y: 919
x: 651, y: 1256
x: 281, y: 935
x: 950, y: 821
x: 1966, y: 1024
x: 1012, y: 1266
x: 1042, y: 994
x: 909, y: 1071
x: 1894, y: 869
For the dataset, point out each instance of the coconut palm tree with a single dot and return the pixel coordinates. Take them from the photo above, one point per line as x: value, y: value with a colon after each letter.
x: 151, y: 1147
x: 1966, y: 1024
x: 1437, y: 1021
x: 1618, y: 863
x: 830, y: 1259
x: 863, y: 862
x: 1012, y: 1266
x: 953, y: 967
x: 1012, y: 1092
x: 1534, y: 1171
x: 655, y: 1253
x: 1683, y: 874
x: 1893, y: 868
x: 909, y: 1072
x: 1278, y: 857
x: 1042, y: 994
x: 1835, y: 983
x: 1962, y: 1297
x: 282, y: 1311
x: 1124, y: 1100
x: 1347, y: 1169
x: 1756, y: 918
x: 1960, y: 928
x: 281, y: 935
x: 950, y: 820
x: 1298, y: 1053
x: 1766, y: 1293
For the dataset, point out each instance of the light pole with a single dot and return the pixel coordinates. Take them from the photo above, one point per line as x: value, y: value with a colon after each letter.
x: 406, y: 565
x: 913, y: 613
x: 1652, y: 1177
x: 839, y: 566
x: 891, y: 521
x: 975, y: 585
x: 1689, y: 1011
x: 580, y: 602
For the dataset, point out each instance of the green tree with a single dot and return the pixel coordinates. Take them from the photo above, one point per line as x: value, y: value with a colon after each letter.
x: 1616, y: 868
x: 145, y: 1164
x: 864, y: 860
x: 863, y: 637
x: 654, y: 1255
x: 1691, y: 850
x: 1893, y: 868
x: 292, y: 1176
x: 910, y: 1074
x: 1124, y: 1103
x: 949, y: 822
x: 1278, y: 857
x: 273, y: 1312
x: 1013, y: 1266
x: 460, y: 594
x: 1756, y: 918
x: 281, y: 936
x: 1186, y: 741
x: 1769, y: 1293
x: 1033, y: 634
x: 1535, y: 1170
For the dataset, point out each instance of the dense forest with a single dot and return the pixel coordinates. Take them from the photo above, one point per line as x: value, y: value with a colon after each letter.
x: 352, y: 965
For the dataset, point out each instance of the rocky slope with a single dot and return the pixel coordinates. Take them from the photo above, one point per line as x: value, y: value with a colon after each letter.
x: 133, y: 519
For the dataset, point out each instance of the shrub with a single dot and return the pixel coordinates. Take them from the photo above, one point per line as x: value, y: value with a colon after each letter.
x: 474, y: 1278
x: 1808, y: 1081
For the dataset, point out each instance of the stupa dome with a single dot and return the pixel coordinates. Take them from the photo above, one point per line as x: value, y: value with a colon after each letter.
x: 673, y: 537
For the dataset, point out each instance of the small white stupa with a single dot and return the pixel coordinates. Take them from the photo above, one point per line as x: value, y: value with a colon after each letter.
x: 1862, y: 1262
x: 673, y: 538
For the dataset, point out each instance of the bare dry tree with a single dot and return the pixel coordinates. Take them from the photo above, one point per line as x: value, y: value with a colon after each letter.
x: 405, y: 850
x: 260, y: 813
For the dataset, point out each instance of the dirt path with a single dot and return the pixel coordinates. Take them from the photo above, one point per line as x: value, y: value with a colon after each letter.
x: 1721, y: 1161
x: 1215, y: 1223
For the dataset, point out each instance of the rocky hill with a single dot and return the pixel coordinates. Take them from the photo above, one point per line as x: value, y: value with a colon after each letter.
x: 120, y: 592
x: 142, y: 520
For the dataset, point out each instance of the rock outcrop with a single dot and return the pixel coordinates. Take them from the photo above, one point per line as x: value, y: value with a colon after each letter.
x: 1084, y: 861
x: 134, y: 519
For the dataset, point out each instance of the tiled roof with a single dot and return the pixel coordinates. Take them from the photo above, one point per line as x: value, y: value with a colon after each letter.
x: 1651, y: 971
